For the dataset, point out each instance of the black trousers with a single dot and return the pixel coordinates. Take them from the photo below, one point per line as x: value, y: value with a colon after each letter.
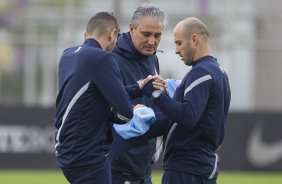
x: 147, y: 180
x: 172, y: 177
x: 99, y: 173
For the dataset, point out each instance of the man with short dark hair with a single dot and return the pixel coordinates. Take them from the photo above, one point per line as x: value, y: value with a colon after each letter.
x: 89, y: 85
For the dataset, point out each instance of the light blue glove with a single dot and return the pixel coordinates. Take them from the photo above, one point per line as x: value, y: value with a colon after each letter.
x: 171, y: 85
x: 140, y: 123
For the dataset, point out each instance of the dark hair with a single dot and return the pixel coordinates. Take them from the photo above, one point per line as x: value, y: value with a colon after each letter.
x: 101, y: 22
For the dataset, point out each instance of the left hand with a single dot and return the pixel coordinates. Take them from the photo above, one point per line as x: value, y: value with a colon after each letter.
x: 138, y: 106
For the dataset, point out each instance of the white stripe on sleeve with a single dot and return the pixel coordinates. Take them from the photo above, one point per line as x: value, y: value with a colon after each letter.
x: 197, y: 82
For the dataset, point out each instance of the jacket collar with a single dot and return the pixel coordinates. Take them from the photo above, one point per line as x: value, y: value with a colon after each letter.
x: 204, y: 58
x: 126, y: 48
x: 92, y: 42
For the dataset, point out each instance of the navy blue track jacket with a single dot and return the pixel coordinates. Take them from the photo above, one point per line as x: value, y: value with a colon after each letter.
x: 89, y: 85
x: 131, y: 164
x: 198, y: 113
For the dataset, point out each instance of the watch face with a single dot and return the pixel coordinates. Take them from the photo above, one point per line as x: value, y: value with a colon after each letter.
x: 156, y: 93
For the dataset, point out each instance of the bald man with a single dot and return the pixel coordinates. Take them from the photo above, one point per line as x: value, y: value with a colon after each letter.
x: 197, y: 112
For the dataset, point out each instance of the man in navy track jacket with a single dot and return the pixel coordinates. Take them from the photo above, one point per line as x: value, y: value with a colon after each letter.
x: 135, y: 55
x: 89, y: 85
x: 197, y: 112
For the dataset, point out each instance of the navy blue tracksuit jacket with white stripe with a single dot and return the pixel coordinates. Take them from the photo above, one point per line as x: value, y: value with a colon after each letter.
x: 89, y: 85
x: 197, y: 115
x: 131, y: 164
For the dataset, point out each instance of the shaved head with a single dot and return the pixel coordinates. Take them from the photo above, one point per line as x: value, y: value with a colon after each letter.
x: 191, y: 26
x: 191, y: 37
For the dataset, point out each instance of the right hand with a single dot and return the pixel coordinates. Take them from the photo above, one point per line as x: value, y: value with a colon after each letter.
x: 159, y: 83
x: 143, y: 82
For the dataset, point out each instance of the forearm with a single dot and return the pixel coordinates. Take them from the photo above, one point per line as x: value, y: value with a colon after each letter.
x: 176, y: 111
x: 133, y: 91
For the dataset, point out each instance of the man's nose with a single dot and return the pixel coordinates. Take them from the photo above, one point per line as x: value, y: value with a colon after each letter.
x: 151, y: 40
x: 177, y: 50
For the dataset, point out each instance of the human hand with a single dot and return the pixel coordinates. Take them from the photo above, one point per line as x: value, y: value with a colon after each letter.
x: 148, y: 88
x: 159, y: 83
x: 143, y: 82
x: 137, y: 106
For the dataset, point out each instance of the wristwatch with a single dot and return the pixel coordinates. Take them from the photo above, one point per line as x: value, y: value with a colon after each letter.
x: 157, y: 93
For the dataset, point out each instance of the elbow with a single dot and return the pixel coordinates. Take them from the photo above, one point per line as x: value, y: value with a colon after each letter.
x: 190, y: 120
x: 188, y: 124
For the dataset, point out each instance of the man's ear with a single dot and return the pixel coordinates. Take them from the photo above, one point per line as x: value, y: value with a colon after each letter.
x: 195, y: 39
x: 85, y: 35
x: 131, y: 28
x: 112, y: 35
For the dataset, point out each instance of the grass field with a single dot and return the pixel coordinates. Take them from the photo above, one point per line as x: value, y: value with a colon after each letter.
x: 56, y: 177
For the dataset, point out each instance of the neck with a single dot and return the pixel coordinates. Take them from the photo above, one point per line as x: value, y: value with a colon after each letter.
x: 100, y: 40
x: 102, y: 43
x: 206, y: 51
